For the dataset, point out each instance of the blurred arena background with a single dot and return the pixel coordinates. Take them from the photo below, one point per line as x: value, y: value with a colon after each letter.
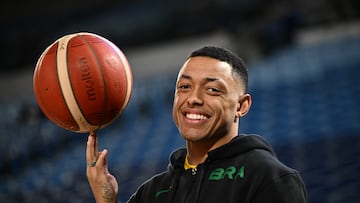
x: 304, y: 64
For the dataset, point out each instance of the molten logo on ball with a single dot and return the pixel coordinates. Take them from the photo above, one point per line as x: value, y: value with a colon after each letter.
x: 82, y: 82
x: 86, y: 77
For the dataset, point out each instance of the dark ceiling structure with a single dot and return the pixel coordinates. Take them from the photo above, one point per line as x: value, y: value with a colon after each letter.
x: 28, y: 27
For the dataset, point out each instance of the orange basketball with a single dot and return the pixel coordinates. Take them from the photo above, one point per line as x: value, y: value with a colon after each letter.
x: 82, y: 82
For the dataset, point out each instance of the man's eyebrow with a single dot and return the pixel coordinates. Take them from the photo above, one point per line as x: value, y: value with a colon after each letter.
x: 185, y: 76
x: 207, y: 79
x: 211, y: 79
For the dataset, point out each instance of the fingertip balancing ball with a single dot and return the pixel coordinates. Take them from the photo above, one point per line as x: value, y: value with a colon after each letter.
x: 82, y: 82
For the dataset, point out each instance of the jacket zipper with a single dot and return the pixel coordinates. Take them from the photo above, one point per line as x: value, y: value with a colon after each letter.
x: 200, y: 178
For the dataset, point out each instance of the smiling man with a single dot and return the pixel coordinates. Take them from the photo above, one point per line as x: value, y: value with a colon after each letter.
x: 209, y: 99
x: 218, y: 164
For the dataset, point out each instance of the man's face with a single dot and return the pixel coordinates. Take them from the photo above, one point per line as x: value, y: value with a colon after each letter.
x: 207, y: 98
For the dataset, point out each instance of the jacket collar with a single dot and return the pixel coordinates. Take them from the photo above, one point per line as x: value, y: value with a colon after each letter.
x: 238, y: 145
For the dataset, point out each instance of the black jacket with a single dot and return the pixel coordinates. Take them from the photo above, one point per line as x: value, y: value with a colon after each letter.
x: 244, y: 170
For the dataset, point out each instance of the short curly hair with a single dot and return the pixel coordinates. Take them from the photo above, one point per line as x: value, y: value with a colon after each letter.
x: 238, y: 65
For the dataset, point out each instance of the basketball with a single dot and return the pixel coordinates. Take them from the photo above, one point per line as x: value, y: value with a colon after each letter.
x: 82, y: 82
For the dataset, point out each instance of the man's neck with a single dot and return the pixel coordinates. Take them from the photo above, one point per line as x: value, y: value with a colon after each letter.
x: 197, y: 151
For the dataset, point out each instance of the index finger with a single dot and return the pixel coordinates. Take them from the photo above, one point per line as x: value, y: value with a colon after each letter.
x: 92, y: 148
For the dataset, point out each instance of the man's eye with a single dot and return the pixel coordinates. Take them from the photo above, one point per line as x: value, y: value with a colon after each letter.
x: 184, y: 86
x: 213, y: 90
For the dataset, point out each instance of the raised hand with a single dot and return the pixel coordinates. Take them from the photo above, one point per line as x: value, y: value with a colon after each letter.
x: 103, y: 184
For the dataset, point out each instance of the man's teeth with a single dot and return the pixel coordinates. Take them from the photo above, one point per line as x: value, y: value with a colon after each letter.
x: 195, y: 116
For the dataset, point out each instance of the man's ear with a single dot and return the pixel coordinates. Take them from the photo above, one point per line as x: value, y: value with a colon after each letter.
x: 243, y: 105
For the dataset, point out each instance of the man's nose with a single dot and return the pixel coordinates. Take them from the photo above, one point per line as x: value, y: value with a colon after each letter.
x: 195, y: 98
